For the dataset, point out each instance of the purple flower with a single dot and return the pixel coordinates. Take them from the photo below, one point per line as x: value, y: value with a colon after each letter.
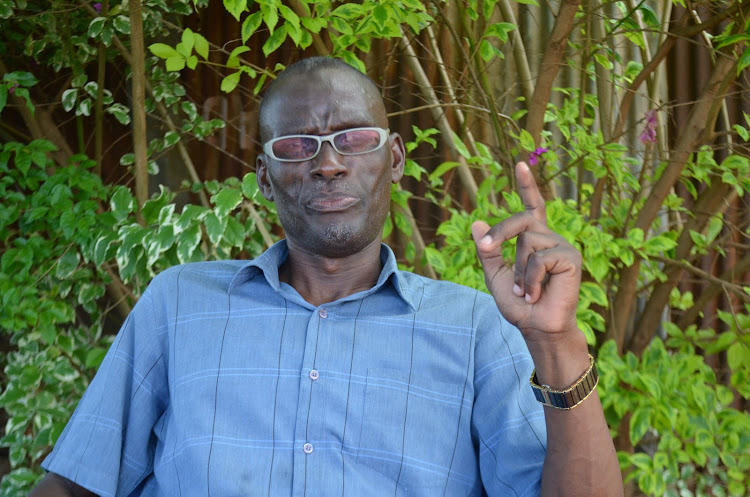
x: 98, y: 7
x: 534, y: 157
x: 649, y: 131
x: 12, y: 89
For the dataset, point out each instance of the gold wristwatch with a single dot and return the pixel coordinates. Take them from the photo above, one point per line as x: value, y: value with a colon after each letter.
x: 571, y: 397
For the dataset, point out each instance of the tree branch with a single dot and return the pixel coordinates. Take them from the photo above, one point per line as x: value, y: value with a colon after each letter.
x: 550, y: 67
x: 138, y: 67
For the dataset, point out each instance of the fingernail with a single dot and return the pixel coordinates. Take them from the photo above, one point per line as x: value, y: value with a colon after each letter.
x: 528, y: 298
x: 486, y: 240
x: 517, y: 290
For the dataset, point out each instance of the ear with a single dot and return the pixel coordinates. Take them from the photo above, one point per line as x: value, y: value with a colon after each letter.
x: 398, y: 155
x: 261, y: 176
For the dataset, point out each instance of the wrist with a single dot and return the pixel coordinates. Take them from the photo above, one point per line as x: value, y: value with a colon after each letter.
x: 559, y: 358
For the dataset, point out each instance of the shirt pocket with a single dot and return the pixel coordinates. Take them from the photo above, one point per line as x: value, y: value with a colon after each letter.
x: 409, y: 429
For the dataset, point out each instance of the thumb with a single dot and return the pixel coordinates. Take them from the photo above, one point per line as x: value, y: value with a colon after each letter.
x: 480, y: 229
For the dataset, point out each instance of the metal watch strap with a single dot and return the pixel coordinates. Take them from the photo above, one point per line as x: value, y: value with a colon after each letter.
x: 571, y: 397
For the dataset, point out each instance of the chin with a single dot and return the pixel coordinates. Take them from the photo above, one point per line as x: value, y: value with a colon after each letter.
x: 341, y: 241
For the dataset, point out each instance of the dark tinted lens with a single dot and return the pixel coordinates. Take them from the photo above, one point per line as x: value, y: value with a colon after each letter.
x: 295, y: 148
x: 357, y: 141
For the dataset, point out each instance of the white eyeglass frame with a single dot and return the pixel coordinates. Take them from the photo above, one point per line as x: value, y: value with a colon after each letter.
x: 383, y: 133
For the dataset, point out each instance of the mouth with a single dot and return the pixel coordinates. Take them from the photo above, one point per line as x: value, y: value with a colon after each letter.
x: 335, y: 202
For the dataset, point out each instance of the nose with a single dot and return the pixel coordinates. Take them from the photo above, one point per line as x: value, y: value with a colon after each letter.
x: 328, y: 163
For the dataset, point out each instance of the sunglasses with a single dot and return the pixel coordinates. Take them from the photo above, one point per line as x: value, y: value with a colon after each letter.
x: 297, y: 148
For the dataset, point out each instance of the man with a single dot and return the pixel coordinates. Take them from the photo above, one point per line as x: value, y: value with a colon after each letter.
x: 321, y: 369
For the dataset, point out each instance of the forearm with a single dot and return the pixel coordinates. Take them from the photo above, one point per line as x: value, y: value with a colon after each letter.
x: 581, y: 458
x: 54, y: 485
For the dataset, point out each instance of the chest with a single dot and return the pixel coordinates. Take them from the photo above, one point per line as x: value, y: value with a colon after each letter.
x: 337, y: 390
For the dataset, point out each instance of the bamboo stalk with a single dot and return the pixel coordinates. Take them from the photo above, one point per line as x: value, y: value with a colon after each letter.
x: 428, y: 92
x: 138, y: 67
x: 519, y: 52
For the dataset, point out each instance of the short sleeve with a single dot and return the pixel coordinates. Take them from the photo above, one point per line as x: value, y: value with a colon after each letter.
x: 108, y: 444
x: 507, y: 422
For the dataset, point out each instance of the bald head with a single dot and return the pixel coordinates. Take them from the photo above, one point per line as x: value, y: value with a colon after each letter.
x: 318, y: 71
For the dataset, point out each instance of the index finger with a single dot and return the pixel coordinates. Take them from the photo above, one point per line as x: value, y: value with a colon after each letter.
x: 532, y: 199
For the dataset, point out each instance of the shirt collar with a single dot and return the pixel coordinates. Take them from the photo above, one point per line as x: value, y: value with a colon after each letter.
x: 268, y: 263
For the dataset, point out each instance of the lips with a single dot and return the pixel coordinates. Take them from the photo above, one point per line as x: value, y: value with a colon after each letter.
x: 334, y: 202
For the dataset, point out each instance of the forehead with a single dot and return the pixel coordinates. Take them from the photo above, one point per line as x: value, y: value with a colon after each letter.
x: 322, y: 102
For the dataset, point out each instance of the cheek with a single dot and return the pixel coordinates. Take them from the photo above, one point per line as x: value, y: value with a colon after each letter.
x: 284, y: 185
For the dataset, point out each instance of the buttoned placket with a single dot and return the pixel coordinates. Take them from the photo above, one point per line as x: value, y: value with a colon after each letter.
x: 304, y: 452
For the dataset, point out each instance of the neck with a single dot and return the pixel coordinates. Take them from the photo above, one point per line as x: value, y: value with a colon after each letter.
x: 320, y: 279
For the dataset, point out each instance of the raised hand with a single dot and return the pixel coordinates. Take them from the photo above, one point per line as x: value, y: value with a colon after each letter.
x: 539, y: 292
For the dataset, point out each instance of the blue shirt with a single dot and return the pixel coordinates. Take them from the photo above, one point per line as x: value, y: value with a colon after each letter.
x: 223, y: 381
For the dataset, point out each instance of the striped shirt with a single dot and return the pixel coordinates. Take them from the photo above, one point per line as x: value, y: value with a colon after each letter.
x: 223, y: 382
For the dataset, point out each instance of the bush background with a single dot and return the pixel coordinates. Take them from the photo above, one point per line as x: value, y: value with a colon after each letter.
x: 128, y: 140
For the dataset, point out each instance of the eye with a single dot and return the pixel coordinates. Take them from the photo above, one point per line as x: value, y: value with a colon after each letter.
x: 295, y: 147
x: 357, y: 141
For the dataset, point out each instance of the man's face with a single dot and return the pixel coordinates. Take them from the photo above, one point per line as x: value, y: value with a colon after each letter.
x: 331, y: 205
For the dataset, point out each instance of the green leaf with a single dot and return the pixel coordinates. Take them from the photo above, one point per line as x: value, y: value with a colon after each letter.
x: 122, y: 203
x: 201, y: 45
x: 659, y: 244
x: 460, y: 147
x: 163, y: 51
x: 94, y: 357
x: 436, y: 176
x: 738, y: 356
x: 314, y: 24
x: 69, y: 99
x: 230, y: 82
x: 234, y: 234
x: 235, y: 7
x: 744, y: 61
x: 251, y: 24
x: 641, y: 460
x: 67, y: 263
x: 249, y: 186
x: 171, y: 138
x: 188, y: 242
x: 238, y: 51
x: 127, y: 159
x: 275, y: 40
x: 226, y: 201
x: 500, y: 30
x: 176, y: 63
x: 122, y: 24
x: 741, y: 131
x: 214, y: 227
x: 380, y: 14
x: 121, y: 113
x: 188, y: 40
x: 289, y: 15
x: 486, y: 51
x: 724, y: 40
x: 598, y: 266
x: 527, y: 141
x: 95, y: 27
x: 594, y: 293
x: 270, y: 15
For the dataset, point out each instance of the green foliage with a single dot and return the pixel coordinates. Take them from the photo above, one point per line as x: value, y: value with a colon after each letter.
x: 350, y: 27
x: 681, y: 418
x: 76, y: 251
x: 57, y: 269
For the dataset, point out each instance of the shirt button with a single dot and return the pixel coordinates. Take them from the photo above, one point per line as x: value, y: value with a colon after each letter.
x: 314, y: 375
x: 307, y: 448
x: 323, y: 313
